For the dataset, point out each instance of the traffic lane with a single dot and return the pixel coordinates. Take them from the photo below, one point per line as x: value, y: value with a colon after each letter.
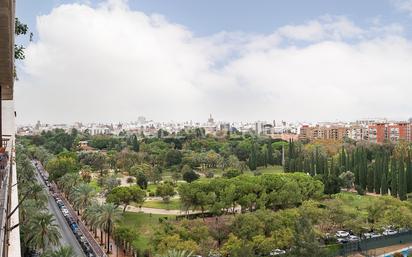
x: 67, y: 236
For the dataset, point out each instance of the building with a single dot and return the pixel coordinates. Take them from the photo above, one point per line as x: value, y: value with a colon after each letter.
x: 9, y: 220
x: 374, y: 132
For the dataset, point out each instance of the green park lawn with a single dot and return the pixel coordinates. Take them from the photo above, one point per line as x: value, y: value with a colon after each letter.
x: 173, y: 204
x: 144, y: 224
x: 268, y: 170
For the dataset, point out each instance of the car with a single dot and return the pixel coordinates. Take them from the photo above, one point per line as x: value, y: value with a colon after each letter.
x: 371, y: 235
x: 343, y: 240
x: 353, y: 238
x: 389, y: 232
x: 342, y: 233
x: 375, y: 235
x: 277, y: 252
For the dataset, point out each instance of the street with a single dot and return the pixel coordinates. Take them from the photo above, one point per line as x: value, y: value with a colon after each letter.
x: 67, y: 236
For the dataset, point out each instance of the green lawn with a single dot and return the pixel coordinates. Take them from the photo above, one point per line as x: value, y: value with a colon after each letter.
x: 173, y: 204
x: 268, y: 170
x: 144, y: 224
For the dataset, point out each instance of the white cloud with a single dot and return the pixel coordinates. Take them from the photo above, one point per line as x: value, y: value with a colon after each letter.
x: 403, y: 5
x: 112, y: 63
x: 327, y: 27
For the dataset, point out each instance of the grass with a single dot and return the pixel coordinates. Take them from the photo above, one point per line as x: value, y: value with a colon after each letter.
x: 173, y: 204
x: 144, y: 224
x: 268, y: 170
x: 355, y: 200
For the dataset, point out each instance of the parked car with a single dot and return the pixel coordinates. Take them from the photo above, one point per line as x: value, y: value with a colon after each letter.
x: 342, y: 233
x: 353, y: 238
x: 371, y: 235
x: 389, y: 232
x: 277, y: 252
x: 342, y: 240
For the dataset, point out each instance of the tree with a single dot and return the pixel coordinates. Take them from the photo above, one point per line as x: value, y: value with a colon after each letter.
x: 253, y: 157
x: 68, y: 182
x: 347, y: 178
x: 64, y: 251
x: 231, y: 173
x: 135, y: 144
x: 270, y: 157
x: 173, y: 157
x: 384, y: 184
x: 126, y: 195
x: 190, y: 176
x: 82, y: 196
x: 305, y: 242
x: 409, y: 173
x: 141, y: 180
x: 402, y: 183
x: 175, y: 253
x: 394, y: 178
x: 108, y: 215
x: 236, y: 247
x: 247, y: 226
x: 43, y: 232
x: 59, y: 166
x: 165, y: 190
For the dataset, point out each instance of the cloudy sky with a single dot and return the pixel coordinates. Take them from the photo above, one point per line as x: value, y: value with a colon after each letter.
x: 114, y: 60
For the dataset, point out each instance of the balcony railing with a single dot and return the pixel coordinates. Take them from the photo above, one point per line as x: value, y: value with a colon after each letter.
x: 5, y: 171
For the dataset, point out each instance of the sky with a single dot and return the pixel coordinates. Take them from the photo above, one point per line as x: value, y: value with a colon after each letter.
x: 115, y: 60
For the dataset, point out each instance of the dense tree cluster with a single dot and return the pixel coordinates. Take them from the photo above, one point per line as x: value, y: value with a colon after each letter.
x: 379, y: 169
x: 271, y: 191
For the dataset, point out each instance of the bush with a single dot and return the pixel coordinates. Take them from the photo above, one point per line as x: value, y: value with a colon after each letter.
x: 151, y: 194
x: 130, y: 180
x: 232, y: 173
x: 210, y: 174
x: 190, y: 176
x: 360, y: 190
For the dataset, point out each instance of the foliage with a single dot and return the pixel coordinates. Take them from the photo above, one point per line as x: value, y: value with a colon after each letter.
x: 165, y: 190
x: 59, y: 166
x: 126, y: 195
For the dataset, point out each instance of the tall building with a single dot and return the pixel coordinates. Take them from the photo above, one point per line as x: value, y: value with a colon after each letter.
x: 9, y: 220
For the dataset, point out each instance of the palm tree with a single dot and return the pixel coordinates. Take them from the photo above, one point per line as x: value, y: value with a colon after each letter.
x: 64, y: 251
x: 82, y: 196
x: 43, y: 232
x: 109, y: 214
x: 68, y: 182
x: 91, y: 215
x: 176, y: 253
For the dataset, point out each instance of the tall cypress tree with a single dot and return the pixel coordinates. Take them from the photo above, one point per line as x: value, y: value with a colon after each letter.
x: 270, y: 158
x: 312, y: 165
x: 409, y: 173
x: 378, y: 173
x: 253, y: 157
x: 402, y: 180
x: 356, y: 166
x: 363, y: 169
x: 394, y: 178
x: 343, y: 161
x: 371, y: 177
x: 384, y: 185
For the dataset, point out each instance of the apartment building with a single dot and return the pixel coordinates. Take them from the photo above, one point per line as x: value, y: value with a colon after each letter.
x: 377, y: 132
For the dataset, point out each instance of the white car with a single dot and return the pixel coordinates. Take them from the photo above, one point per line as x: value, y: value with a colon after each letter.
x: 374, y: 235
x: 371, y: 235
x: 341, y: 233
x: 353, y: 238
x: 389, y: 232
x: 277, y: 252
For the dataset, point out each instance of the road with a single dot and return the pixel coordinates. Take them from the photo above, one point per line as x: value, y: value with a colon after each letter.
x: 67, y: 236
